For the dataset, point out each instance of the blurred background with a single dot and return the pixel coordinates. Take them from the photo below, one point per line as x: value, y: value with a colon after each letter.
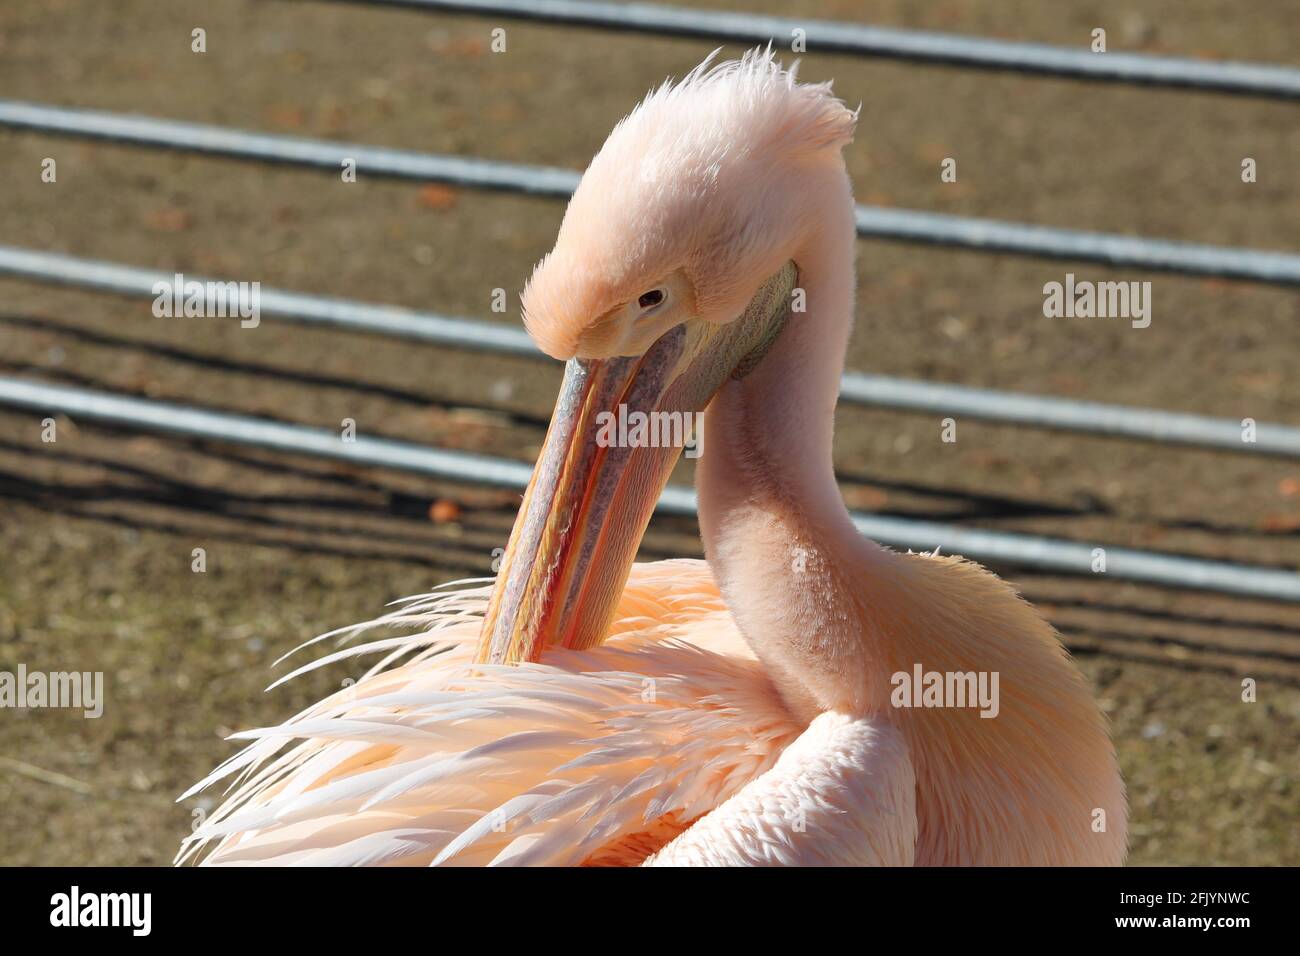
x: 97, y: 529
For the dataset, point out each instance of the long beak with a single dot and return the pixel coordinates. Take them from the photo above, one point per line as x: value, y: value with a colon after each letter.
x: 590, y: 499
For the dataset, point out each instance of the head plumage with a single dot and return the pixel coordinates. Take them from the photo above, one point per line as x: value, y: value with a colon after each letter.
x: 680, y: 183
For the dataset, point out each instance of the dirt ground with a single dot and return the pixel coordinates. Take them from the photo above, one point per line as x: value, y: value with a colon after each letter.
x: 97, y: 530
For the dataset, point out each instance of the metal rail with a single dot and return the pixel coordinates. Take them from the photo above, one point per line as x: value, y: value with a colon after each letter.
x: 1043, y: 553
x: 857, y: 388
x: 986, y: 235
x: 950, y: 49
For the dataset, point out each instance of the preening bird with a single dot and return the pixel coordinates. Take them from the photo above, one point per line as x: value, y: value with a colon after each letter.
x: 581, y: 708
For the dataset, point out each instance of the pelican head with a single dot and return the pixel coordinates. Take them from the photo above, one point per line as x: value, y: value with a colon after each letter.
x: 674, y: 270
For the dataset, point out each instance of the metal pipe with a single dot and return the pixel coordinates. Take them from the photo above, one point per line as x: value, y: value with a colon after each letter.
x: 907, y: 225
x: 878, y: 391
x: 948, y: 49
x: 1050, y: 554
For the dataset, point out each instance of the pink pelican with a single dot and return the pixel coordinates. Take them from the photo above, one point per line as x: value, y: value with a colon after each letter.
x: 754, y: 708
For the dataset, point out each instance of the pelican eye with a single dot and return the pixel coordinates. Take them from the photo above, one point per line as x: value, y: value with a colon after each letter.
x: 650, y: 299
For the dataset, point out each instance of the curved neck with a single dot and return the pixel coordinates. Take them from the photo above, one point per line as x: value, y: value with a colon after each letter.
x: 832, y: 615
x: 776, y: 532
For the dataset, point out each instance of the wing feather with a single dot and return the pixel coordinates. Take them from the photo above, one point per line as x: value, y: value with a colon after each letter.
x: 843, y: 794
x: 441, y: 760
